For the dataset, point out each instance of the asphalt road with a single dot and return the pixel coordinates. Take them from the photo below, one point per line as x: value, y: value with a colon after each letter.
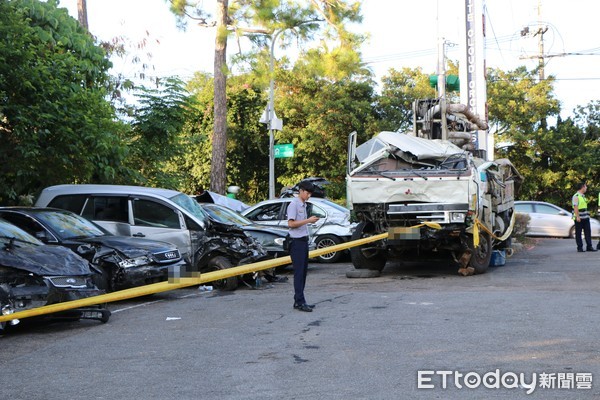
x: 366, y: 339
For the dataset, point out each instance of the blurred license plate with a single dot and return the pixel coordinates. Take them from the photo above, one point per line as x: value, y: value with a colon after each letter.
x: 401, y: 233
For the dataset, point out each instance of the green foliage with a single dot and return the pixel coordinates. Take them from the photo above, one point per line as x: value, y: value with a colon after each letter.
x: 400, y: 90
x: 318, y: 117
x: 154, y: 139
x: 549, y: 159
x: 247, y: 144
x: 55, y: 125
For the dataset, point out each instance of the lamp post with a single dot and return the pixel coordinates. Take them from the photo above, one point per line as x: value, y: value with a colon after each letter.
x: 271, y: 111
x: 270, y: 116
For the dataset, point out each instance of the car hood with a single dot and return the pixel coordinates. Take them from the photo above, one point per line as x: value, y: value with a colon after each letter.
x: 266, y: 229
x: 43, y: 260
x: 129, y: 246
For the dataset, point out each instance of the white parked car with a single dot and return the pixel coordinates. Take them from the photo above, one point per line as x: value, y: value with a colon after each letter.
x: 546, y: 219
x: 334, y: 226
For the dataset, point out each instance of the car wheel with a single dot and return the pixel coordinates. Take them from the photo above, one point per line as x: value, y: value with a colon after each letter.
x: 220, y: 263
x: 482, y: 254
x: 367, y: 256
x: 327, y: 241
x: 572, y: 233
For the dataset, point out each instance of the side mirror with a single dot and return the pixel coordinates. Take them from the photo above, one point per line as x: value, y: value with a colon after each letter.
x: 42, y: 236
x: 85, y: 250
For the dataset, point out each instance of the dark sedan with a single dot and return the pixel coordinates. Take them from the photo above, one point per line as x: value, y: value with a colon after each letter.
x: 270, y: 238
x: 34, y: 275
x: 124, y: 261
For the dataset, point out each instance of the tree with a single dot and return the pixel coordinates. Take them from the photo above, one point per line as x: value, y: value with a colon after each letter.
x: 518, y: 103
x: 269, y: 16
x: 247, y: 145
x: 155, y: 139
x: 400, y: 90
x: 82, y: 14
x: 319, y: 115
x: 55, y: 124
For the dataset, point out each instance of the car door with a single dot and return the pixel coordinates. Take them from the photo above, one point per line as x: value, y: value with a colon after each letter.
x: 552, y: 221
x: 155, y: 220
x: 532, y: 226
x: 313, y: 209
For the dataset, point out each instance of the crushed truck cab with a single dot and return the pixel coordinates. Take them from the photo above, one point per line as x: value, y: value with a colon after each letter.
x: 429, y: 195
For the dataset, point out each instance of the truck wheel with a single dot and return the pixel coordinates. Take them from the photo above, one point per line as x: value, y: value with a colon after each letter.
x: 217, y: 264
x: 326, y: 241
x: 367, y: 256
x: 480, y: 259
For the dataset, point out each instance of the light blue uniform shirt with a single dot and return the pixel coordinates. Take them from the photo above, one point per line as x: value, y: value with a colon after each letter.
x: 297, y: 211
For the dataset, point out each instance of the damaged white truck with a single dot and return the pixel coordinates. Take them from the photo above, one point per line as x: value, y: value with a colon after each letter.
x: 428, y: 194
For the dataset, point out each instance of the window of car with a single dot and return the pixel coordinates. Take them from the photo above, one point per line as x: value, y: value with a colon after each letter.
x: 72, y: 202
x: 151, y: 213
x: 106, y: 208
x: 267, y: 212
x: 315, y: 210
x: 526, y: 208
x: 546, y: 209
x: 24, y: 222
x: 190, y: 205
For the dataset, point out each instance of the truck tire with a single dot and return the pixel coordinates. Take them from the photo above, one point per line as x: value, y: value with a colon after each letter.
x: 219, y: 263
x: 366, y: 256
x: 363, y: 273
x: 481, y: 256
x: 326, y: 241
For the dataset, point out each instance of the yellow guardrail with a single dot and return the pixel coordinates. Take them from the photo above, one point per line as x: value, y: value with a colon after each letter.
x: 180, y: 282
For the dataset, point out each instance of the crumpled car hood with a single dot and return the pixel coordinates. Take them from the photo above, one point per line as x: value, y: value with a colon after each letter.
x: 130, y: 247
x: 43, y: 260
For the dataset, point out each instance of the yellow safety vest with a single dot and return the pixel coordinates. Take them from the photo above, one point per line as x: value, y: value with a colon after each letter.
x: 581, y: 205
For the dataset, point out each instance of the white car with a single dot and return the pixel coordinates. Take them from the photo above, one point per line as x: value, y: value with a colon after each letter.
x: 549, y: 220
x: 334, y: 226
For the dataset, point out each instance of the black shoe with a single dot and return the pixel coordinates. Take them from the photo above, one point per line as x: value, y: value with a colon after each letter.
x: 590, y: 249
x: 580, y: 250
x: 302, y: 307
x: 296, y: 305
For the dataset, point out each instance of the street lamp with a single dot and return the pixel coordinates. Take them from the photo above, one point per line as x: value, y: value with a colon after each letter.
x: 271, y: 111
x: 270, y: 116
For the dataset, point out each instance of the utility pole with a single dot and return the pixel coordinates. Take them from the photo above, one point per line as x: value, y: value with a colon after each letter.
x: 539, y: 32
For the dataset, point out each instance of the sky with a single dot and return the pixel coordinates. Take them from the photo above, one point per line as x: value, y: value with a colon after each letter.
x: 403, y: 33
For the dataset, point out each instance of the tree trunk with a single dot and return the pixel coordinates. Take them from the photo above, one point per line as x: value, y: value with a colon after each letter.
x: 82, y: 14
x: 218, y: 176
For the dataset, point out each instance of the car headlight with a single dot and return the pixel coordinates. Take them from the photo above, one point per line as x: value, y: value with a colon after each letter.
x: 135, y: 262
x: 458, y: 217
x: 279, y: 241
x: 7, y: 310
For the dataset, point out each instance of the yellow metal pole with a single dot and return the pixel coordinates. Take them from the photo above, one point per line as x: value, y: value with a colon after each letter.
x: 179, y: 283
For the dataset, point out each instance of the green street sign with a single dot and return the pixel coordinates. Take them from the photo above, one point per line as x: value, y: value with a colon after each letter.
x: 284, y: 150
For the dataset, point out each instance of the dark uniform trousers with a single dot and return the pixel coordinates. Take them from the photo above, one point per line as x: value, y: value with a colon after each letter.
x: 299, y: 255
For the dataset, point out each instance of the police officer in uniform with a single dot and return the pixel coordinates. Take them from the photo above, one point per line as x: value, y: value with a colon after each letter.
x: 298, y: 220
x: 582, y: 219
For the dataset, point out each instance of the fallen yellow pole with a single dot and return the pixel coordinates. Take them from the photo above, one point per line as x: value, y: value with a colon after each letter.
x: 179, y: 283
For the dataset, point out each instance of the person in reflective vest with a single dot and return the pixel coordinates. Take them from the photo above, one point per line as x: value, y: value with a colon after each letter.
x: 581, y: 216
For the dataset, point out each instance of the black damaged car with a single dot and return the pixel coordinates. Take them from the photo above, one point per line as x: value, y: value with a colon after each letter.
x: 33, y: 275
x: 124, y: 261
